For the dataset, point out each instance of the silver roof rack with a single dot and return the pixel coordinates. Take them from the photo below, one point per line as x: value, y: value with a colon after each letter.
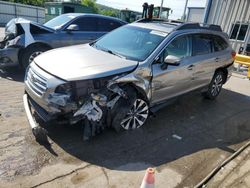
x: 199, y: 26
x: 181, y: 25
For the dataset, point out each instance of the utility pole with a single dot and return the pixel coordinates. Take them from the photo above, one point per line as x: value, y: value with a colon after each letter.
x: 184, y: 12
x: 161, y: 8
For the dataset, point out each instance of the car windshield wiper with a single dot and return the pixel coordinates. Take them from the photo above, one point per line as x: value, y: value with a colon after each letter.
x: 114, y: 53
x: 107, y: 50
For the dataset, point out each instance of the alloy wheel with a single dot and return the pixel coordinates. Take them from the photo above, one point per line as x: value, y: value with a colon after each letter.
x: 137, y: 115
x: 217, y: 85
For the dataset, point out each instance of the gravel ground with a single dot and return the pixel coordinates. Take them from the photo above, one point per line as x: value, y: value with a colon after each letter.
x: 209, y: 132
x: 184, y: 142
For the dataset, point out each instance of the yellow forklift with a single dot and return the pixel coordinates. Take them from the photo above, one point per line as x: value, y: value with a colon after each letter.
x: 149, y: 11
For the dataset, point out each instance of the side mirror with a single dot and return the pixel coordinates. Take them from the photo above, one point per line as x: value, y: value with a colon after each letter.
x: 73, y: 27
x: 172, y: 60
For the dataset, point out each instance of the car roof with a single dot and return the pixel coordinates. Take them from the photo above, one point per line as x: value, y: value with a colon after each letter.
x: 170, y: 25
x: 94, y: 15
x: 163, y: 27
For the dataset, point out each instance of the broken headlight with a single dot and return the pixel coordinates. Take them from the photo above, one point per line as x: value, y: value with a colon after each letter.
x: 64, y: 88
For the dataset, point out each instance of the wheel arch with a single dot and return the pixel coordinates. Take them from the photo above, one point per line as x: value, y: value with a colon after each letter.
x: 139, y: 91
x: 21, y: 51
x: 35, y: 44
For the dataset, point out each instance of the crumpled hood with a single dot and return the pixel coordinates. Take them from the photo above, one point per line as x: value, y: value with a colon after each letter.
x: 10, y: 27
x: 82, y: 62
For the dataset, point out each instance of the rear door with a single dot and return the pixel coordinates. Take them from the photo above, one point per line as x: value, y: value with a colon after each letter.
x: 203, y: 60
x: 222, y: 51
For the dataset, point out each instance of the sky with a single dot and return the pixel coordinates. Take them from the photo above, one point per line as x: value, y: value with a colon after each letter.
x: 176, y: 5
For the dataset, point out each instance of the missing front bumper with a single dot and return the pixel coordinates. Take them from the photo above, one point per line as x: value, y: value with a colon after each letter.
x: 39, y: 132
x: 30, y: 118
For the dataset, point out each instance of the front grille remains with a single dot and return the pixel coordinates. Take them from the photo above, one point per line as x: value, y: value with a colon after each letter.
x: 36, y: 82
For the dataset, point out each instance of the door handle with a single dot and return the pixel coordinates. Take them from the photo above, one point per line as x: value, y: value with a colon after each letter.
x: 190, y: 67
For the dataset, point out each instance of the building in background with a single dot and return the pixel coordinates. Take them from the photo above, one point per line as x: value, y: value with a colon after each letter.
x: 53, y: 9
x: 195, y: 14
x: 234, y: 18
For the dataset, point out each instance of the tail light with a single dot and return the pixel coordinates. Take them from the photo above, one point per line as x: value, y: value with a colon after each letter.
x: 233, y: 53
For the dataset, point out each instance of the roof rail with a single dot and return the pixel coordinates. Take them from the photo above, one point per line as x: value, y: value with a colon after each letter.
x: 199, y: 26
x: 157, y: 20
x: 181, y: 25
x: 143, y: 20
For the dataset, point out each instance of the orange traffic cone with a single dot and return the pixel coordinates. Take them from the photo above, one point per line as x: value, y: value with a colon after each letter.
x: 149, y: 179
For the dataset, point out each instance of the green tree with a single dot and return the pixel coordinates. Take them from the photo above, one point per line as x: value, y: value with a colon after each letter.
x: 91, y: 4
x: 29, y: 2
x: 108, y: 13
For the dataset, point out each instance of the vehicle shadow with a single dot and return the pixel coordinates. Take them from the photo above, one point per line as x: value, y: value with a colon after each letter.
x: 199, y: 123
x: 15, y: 73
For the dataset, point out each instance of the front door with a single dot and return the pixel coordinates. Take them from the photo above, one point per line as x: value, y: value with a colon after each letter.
x: 168, y: 80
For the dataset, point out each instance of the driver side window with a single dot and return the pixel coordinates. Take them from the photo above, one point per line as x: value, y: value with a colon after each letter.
x: 178, y: 47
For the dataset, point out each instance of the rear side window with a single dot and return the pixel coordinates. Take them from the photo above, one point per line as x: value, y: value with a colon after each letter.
x: 219, y: 43
x: 86, y: 23
x: 107, y: 24
x: 201, y: 44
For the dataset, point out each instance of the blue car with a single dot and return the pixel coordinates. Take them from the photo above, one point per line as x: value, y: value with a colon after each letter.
x: 24, y: 40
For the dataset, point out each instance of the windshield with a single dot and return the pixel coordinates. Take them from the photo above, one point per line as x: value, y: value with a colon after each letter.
x: 59, y: 21
x: 131, y: 42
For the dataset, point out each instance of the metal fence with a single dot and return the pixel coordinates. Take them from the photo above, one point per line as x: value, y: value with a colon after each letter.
x: 13, y: 10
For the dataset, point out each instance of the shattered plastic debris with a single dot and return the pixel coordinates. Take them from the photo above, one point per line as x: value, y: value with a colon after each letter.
x: 91, y: 110
x: 176, y: 136
x: 116, y: 89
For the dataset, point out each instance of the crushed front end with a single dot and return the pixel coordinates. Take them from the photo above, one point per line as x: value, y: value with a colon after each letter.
x: 91, y: 102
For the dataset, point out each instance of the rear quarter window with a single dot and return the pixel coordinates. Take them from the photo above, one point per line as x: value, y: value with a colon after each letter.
x: 107, y: 24
x: 219, y: 43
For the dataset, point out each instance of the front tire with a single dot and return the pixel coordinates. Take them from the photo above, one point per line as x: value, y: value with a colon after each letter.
x: 132, y: 117
x: 215, y: 85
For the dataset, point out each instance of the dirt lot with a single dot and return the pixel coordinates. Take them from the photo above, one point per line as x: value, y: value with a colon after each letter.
x: 210, y: 131
x: 1, y: 33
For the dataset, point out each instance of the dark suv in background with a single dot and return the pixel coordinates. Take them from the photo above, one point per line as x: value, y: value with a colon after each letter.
x: 25, y: 40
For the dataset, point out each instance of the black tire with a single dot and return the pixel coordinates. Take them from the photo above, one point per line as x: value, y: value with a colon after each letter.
x: 215, y: 85
x: 31, y: 52
x: 125, y: 109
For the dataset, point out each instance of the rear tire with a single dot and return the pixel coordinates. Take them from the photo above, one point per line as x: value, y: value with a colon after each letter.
x: 215, y: 85
x: 31, y: 52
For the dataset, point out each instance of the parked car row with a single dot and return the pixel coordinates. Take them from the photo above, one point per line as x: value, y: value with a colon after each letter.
x: 25, y: 40
x: 117, y: 80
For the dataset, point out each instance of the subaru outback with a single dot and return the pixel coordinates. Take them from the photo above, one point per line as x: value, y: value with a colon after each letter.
x: 119, y: 79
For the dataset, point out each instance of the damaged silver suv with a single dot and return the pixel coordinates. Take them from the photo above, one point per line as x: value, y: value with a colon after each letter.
x: 119, y: 79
